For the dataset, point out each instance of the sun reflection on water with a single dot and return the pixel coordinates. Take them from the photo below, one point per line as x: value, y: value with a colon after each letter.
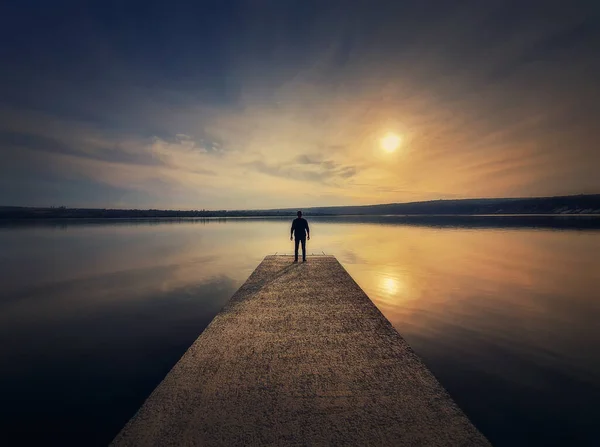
x: 389, y: 285
x: 392, y: 287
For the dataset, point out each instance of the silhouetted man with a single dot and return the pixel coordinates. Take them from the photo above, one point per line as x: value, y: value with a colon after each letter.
x: 300, y: 231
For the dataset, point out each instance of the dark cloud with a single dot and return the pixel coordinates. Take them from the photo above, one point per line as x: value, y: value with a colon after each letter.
x: 102, y: 152
x: 347, y: 172
x: 306, y: 160
x: 38, y: 143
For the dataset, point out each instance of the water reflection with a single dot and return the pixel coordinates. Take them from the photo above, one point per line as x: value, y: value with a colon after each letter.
x: 93, y: 316
x: 393, y: 287
x: 506, y: 319
x: 389, y: 286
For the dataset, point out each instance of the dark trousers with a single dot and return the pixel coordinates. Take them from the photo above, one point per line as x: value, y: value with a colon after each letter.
x: 297, y: 241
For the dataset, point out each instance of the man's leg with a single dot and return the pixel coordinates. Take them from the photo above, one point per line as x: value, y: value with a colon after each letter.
x: 303, y: 249
x: 296, y: 242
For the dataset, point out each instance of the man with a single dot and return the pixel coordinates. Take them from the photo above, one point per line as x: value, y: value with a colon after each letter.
x: 300, y: 231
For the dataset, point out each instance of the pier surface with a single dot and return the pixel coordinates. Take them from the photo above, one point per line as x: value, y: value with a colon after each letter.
x: 300, y: 356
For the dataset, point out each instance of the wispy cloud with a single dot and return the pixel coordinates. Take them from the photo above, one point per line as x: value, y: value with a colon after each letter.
x: 326, y: 172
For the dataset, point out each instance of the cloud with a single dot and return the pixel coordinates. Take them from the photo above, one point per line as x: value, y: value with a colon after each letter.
x: 307, y: 169
x: 182, y: 154
x: 116, y: 152
x: 491, y: 98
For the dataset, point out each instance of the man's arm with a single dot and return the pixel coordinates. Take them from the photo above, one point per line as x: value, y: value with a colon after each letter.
x: 307, y: 230
x: 292, y: 230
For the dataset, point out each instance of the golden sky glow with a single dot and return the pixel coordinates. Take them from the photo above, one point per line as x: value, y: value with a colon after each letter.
x: 264, y: 114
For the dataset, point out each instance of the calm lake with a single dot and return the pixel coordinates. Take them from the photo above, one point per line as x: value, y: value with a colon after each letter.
x: 93, y: 315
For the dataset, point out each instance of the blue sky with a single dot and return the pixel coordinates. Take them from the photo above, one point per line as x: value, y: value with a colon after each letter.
x: 265, y: 104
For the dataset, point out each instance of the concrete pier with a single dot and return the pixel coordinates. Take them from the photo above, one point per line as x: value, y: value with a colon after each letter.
x: 300, y: 356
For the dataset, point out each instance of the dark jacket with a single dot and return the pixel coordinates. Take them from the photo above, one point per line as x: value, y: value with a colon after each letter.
x: 300, y: 228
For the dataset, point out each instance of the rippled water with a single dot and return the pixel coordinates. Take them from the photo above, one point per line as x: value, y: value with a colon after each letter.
x: 93, y: 316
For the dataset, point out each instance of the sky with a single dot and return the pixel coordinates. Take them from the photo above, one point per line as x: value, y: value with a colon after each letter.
x: 270, y: 104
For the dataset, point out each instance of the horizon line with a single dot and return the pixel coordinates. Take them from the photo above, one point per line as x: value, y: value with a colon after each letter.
x: 306, y: 207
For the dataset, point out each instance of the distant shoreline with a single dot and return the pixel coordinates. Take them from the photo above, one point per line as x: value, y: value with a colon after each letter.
x: 527, y: 206
x: 566, y: 222
x: 286, y: 216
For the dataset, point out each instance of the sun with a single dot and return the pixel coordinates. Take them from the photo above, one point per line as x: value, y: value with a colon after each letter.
x: 390, y: 142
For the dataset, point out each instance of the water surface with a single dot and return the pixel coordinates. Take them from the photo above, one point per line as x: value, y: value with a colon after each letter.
x: 92, y: 316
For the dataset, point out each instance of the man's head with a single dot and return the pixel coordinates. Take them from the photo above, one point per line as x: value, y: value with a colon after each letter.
x: 299, y: 213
